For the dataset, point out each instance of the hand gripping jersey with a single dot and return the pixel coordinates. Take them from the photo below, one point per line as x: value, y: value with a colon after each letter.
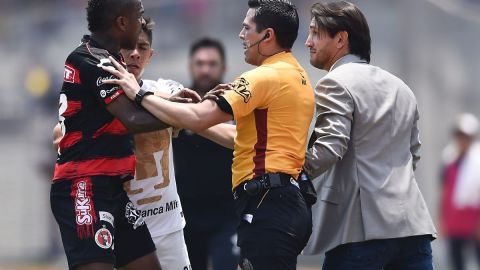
x: 154, y: 190
x: 94, y: 142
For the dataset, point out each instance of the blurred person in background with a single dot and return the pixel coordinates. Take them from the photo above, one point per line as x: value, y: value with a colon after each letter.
x: 273, y: 106
x: 154, y: 190
x: 460, y: 205
x: 210, y: 232
x: 371, y: 215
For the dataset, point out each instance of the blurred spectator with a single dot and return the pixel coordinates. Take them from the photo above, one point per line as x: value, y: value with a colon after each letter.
x: 203, y: 172
x: 460, y: 206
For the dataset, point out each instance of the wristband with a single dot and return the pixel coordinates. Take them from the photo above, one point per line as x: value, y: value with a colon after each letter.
x: 140, y: 95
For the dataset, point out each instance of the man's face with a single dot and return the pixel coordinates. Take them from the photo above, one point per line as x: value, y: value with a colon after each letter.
x: 134, y: 20
x: 138, y: 58
x: 463, y: 141
x: 207, y: 68
x: 250, y: 36
x: 322, y: 47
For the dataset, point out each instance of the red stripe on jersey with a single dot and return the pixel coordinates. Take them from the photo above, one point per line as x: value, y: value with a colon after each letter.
x: 111, y: 98
x: 82, y: 197
x: 71, y: 74
x: 100, y: 166
x: 73, y: 107
x: 114, y: 127
x: 70, y: 139
x: 261, y: 145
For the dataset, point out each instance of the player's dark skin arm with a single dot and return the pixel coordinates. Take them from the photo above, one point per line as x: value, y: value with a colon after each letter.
x: 135, y: 119
x: 138, y: 120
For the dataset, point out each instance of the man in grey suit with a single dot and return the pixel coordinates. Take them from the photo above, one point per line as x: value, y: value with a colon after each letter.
x: 370, y: 214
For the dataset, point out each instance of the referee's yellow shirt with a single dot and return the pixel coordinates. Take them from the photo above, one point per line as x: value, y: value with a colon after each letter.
x: 273, y: 106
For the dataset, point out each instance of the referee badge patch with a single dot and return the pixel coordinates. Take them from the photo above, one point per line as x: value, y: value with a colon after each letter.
x: 241, y: 88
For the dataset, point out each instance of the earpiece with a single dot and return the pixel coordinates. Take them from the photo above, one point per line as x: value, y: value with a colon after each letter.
x: 267, y: 35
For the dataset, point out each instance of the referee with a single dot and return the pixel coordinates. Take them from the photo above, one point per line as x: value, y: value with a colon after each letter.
x: 273, y: 105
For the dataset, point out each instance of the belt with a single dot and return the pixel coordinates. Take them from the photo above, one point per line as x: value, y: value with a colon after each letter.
x: 257, y: 185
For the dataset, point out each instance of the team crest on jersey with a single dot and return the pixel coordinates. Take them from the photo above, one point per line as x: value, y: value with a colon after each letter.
x: 241, y: 88
x: 133, y: 215
x: 71, y: 74
x: 104, y: 238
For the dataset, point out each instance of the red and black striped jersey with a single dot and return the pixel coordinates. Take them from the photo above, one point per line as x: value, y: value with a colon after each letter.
x: 94, y: 142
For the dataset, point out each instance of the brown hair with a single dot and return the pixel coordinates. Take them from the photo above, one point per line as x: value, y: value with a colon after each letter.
x: 334, y: 17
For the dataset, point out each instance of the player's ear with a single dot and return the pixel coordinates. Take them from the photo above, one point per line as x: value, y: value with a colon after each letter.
x: 121, y: 23
x: 341, y: 39
x: 152, y: 51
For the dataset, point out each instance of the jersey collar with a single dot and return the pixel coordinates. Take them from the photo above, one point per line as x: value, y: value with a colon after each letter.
x: 88, y: 39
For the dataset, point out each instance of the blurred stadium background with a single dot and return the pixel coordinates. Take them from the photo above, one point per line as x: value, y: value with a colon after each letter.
x: 431, y: 44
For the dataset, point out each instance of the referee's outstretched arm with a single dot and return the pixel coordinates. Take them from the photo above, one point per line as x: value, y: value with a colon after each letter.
x: 196, y: 117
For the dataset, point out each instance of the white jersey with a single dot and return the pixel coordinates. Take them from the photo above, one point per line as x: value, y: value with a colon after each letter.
x: 154, y: 190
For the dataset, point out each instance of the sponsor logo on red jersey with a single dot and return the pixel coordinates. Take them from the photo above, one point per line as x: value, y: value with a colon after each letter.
x: 71, y: 74
x: 83, y: 205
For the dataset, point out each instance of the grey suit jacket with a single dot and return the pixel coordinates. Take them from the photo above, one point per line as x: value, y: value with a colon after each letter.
x: 365, y: 153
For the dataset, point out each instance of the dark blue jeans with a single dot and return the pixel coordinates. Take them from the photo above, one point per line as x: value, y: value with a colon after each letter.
x: 409, y: 253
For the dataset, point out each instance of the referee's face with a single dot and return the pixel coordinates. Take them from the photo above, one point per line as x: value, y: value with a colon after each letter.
x: 251, y: 39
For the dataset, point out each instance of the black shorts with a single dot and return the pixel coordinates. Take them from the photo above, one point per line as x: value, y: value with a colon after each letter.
x: 97, y: 221
x: 275, y: 226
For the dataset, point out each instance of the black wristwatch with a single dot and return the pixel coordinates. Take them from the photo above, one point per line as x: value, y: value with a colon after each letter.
x: 140, y: 95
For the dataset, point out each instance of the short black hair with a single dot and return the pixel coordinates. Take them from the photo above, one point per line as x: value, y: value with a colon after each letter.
x: 335, y: 17
x: 281, y: 16
x: 147, y: 28
x: 207, y: 42
x: 102, y: 13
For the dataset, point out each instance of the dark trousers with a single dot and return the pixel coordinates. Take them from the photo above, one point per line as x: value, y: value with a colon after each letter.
x: 409, y: 253
x: 457, y: 249
x: 217, y: 245
x: 274, y: 228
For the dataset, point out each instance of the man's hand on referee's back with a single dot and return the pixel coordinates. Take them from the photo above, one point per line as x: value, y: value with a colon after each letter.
x: 185, y: 96
x: 217, y: 92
